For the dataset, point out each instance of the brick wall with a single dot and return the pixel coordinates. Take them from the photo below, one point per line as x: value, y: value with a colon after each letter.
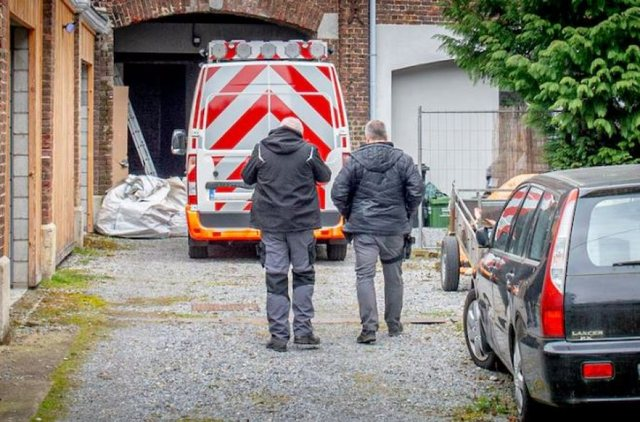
x: 48, y: 66
x: 409, y: 12
x: 353, y: 65
x: 4, y: 113
x: 351, y: 50
x: 102, y: 114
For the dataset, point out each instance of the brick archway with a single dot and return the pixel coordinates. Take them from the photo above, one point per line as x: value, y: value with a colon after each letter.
x: 305, y: 16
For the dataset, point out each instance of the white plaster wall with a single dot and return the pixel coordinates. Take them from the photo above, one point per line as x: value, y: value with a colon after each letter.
x: 413, y: 70
x: 457, y: 140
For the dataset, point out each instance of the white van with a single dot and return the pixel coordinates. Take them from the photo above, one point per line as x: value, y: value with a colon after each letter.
x: 244, y: 90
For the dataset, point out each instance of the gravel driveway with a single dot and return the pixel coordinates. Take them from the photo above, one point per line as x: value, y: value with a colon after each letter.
x: 188, y: 343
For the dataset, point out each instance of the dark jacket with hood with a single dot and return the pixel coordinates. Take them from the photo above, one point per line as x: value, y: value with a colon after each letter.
x: 378, y: 190
x: 285, y: 170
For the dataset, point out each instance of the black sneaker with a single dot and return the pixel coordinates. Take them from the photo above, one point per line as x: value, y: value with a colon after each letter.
x: 395, y: 330
x: 310, y: 340
x: 277, y: 344
x: 366, y: 337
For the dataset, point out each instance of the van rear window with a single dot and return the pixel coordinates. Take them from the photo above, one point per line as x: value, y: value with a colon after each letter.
x: 613, y: 234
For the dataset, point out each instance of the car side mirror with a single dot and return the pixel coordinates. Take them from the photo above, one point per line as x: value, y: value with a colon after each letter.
x: 179, y: 142
x: 483, y: 236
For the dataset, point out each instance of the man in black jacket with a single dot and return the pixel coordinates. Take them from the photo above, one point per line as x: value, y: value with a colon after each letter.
x: 285, y: 169
x: 377, y: 191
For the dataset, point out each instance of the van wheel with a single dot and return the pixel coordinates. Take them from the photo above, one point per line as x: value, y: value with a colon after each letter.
x: 474, y: 334
x: 336, y: 252
x: 450, y: 264
x: 528, y: 408
x: 198, y: 252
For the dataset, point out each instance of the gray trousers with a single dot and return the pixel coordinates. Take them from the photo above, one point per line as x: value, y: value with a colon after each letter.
x: 367, y: 249
x: 282, y: 250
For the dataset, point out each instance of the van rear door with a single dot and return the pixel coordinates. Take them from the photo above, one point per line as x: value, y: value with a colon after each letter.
x: 602, y: 290
x: 241, y: 103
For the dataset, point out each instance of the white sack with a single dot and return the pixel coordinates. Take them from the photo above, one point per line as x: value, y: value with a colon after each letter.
x: 144, y: 207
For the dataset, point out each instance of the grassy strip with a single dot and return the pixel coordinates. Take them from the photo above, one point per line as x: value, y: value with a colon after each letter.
x: 66, y: 304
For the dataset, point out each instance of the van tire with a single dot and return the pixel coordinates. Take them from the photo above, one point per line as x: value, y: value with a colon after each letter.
x: 198, y: 252
x: 336, y: 252
x: 450, y: 264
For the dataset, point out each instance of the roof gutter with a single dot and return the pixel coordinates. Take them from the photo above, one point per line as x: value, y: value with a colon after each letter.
x: 96, y: 19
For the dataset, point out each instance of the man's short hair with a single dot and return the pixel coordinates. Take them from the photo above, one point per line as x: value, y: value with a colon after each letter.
x: 292, y: 123
x: 375, y: 130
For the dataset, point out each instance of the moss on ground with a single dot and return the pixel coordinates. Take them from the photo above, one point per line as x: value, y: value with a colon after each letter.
x: 96, y: 246
x: 103, y: 243
x: 156, y: 301
x: 269, y: 400
x: 65, y: 303
x: 485, y: 408
x: 67, y: 278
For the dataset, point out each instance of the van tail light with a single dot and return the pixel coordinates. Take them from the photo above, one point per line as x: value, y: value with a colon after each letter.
x: 597, y: 370
x: 552, y: 302
x: 192, y: 190
x: 345, y: 157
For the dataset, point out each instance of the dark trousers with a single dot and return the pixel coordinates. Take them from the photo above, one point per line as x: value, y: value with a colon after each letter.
x: 284, y: 250
x: 389, y: 248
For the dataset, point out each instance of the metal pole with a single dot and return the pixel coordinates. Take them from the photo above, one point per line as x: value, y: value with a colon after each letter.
x: 420, y: 216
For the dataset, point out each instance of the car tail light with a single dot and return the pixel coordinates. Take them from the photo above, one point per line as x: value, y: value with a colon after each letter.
x: 192, y: 190
x: 552, y: 302
x: 597, y: 370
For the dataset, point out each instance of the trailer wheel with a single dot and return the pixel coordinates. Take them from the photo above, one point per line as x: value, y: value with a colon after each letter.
x: 450, y: 264
x: 336, y: 252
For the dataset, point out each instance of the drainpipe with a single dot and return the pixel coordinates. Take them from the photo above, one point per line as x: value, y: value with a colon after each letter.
x: 372, y: 59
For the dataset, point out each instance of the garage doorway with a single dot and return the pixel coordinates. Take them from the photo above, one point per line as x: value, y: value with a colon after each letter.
x: 161, y: 73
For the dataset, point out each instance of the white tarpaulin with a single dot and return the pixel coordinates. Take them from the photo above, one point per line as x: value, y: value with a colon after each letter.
x: 144, y: 207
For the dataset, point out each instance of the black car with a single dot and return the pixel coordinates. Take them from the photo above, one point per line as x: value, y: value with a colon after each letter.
x: 556, y: 297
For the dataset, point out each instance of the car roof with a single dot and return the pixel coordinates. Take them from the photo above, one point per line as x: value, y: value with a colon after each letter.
x: 592, y: 178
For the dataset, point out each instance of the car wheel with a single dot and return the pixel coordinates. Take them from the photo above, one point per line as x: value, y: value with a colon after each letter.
x: 528, y: 408
x: 474, y: 334
x: 198, y: 252
x: 336, y: 252
x: 450, y: 264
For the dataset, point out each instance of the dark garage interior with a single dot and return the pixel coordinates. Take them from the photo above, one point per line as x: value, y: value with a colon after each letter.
x: 161, y: 73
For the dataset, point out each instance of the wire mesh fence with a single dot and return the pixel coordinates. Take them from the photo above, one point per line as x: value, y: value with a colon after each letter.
x: 476, y: 148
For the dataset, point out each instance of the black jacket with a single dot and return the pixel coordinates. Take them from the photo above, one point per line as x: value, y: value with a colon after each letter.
x: 378, y: 190
x: 285, y: 170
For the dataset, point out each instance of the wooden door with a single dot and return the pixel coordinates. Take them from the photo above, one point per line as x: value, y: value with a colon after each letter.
x: 63, y: 133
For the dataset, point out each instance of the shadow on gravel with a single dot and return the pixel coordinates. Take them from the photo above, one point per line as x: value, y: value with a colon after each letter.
x: 233, y: 251
x: 247, y: 251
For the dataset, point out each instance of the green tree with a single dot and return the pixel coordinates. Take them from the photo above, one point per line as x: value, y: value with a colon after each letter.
x: 576, y: 63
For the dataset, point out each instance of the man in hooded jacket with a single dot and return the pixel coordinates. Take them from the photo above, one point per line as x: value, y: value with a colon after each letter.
x: 285, y: 170
x: 377, y: 191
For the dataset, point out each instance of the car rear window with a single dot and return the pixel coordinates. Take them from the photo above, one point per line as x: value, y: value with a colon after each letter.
x: 503, y: 228
x: 606, y: 233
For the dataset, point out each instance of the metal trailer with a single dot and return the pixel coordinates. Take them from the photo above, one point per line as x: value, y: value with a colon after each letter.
x: 469, y: 210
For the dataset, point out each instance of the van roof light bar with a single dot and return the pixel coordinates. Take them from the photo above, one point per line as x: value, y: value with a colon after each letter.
x: 236, y: 50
